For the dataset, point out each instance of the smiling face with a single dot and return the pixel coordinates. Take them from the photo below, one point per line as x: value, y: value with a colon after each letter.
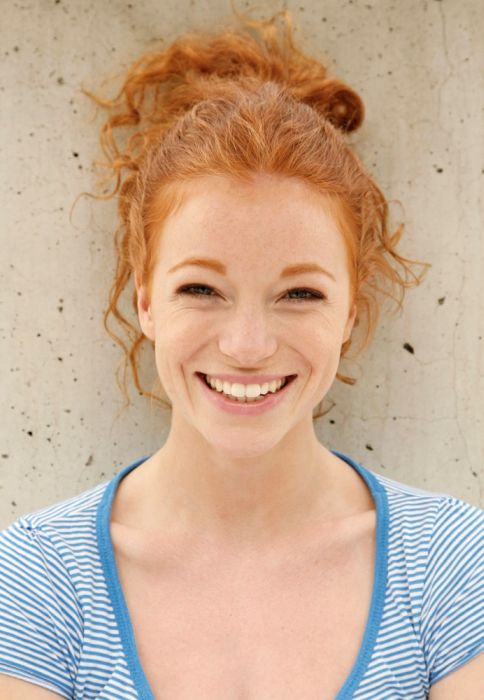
x: 250, y: 320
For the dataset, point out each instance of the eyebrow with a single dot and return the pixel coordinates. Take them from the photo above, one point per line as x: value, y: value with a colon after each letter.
x: 219, y: 267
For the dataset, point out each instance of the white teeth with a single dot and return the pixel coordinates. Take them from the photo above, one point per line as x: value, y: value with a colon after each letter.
x: 241, y: 391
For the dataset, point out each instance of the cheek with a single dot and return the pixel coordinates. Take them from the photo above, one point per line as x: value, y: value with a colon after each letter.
x: 326, y: 330
x: 175, y: 349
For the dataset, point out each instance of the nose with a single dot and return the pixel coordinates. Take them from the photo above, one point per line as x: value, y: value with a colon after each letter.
x: 247, y: 338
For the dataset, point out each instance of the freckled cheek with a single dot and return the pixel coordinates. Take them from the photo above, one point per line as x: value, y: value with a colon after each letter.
x: 176, y: 353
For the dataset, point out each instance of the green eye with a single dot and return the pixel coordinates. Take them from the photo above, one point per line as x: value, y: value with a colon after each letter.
x: 186, y: 290
x: 313, y: 294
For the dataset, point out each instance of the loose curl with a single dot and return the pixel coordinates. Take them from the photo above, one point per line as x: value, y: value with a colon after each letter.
x: 225, y: 103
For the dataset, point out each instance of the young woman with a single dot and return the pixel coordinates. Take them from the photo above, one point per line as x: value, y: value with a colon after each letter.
x: 244, y: 559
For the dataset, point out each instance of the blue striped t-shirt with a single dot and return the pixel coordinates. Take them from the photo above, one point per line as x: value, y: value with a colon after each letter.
x: 65, y: 626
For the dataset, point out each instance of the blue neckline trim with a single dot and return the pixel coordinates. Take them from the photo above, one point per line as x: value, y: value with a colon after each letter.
x: 120, y: 608
x: 113, y: 584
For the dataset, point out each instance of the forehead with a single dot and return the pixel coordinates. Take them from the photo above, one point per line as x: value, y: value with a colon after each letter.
x: 271, y: 217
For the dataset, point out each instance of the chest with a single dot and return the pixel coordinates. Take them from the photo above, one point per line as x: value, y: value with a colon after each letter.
x: 283, y: 626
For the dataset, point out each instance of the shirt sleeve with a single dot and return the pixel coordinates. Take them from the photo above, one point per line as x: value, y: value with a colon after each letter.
x: 37, y: 619
x: 452, y: 623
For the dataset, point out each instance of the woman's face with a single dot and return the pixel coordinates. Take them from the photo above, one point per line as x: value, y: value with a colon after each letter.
x: 250, y: 320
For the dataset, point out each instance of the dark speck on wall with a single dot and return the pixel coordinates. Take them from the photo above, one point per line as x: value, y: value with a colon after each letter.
x: 332, y: 421
x: 369, y: 447
x: 13, y: 503
x: 441, y: 300
x: 408, y: 348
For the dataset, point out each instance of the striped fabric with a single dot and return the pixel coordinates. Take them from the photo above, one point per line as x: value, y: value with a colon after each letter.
x: 64, y: 624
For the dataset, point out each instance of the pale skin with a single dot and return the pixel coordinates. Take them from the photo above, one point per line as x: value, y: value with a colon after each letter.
x: 236, y: 504
x: 246, y: 484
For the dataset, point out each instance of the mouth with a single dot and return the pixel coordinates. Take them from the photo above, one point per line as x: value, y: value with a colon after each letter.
x: 287, y: 380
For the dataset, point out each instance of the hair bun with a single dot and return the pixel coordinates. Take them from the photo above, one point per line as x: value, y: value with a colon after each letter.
x: 339, y: 103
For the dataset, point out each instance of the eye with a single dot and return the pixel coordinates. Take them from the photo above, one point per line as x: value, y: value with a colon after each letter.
x: 313, y: 294
x: 186, y: 290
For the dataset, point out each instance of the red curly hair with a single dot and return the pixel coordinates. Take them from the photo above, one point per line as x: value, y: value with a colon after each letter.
x: 225, y: 102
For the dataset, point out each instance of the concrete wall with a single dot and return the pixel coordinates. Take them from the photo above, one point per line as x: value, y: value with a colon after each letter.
x: 414, y: 416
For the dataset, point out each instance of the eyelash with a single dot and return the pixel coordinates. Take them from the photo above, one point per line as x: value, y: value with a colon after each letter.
x: 315, y: 296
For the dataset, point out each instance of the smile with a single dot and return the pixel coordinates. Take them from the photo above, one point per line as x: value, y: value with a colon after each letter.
x: 247, y: 405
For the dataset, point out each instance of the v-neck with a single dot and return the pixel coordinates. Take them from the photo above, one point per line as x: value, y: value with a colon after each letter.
x: 120, y: 608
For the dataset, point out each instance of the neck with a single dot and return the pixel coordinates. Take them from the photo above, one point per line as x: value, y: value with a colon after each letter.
x: 189, y: 489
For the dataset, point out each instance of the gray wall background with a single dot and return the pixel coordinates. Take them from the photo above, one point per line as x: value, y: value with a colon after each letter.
x: 415, y: 417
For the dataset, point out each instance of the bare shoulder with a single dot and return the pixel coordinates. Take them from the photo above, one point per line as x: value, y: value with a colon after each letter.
x: 17, y: 689
x: 464, y: 683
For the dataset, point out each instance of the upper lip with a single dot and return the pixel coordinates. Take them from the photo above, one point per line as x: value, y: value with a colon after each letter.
x: 247, y: 378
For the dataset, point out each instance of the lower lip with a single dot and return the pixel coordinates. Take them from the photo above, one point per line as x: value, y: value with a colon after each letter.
x: 245, y: 409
